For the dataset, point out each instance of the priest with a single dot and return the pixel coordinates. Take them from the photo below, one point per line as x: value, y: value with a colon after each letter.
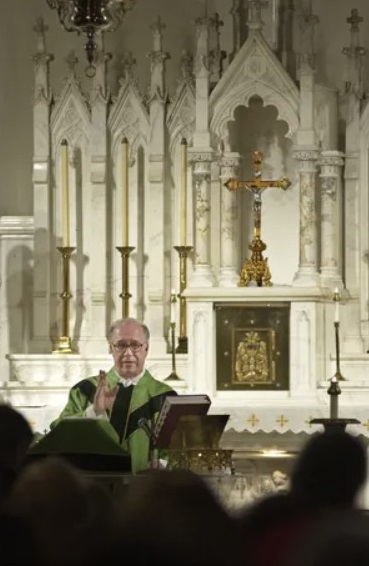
x: 127, y: 395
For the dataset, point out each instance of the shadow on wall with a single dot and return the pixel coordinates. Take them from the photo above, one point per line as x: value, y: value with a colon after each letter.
x: 18, y: 298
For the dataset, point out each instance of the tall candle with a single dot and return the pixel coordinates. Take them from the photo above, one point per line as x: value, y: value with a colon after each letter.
x: 183, y: 192
x: 337, y: 305
x: 125, y: 210
x: 65, y: 191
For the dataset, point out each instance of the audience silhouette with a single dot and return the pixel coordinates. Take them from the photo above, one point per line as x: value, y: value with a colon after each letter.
x: 15, y: 438
x: 58, y: 514
x: 328, y: 475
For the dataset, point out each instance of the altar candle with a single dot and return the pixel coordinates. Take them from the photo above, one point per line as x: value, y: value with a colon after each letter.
x: 125, y: 211
x: 65, y: 192
x: 173, y: 302
x: 183, y: 192
x: 337, y: 305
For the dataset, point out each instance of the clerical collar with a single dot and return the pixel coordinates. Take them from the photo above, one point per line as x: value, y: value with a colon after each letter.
x: 130, y: 381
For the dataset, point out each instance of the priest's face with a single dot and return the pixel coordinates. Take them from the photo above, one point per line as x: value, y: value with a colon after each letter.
x: 129, y: 347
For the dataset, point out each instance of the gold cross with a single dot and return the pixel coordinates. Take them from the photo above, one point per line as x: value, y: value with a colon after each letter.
x: 282, y: 420
x: 309, y: 421
x: 253, y: 420
x: 366, y: 424
x: 257, y: 268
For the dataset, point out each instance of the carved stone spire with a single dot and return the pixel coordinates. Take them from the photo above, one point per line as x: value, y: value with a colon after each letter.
x: 42, y: 60
x: 238, y: 13
x: 202, y: 44
x: 99, y: 87
x: 128, y: 62
x: 216, y: 54
x: 158, y: 58
x: 307, y: 32
x: 355, y: 55
x: 254, y: 21
x: 71, y: 61
x: 285, y: 36
x: 186, y: 65
x: 40, y: 30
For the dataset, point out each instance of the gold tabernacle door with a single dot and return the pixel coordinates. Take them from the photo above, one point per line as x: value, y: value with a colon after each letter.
x: 252, y: 345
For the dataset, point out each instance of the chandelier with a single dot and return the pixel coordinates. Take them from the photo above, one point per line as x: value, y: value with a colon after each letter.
x: 90, y: 17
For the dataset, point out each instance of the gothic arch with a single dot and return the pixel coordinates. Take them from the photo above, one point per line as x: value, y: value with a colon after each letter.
x: 223, y: 113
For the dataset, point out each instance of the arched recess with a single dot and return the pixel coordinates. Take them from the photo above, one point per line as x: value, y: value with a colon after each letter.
x: 287, y: 105
x: 257, y: 124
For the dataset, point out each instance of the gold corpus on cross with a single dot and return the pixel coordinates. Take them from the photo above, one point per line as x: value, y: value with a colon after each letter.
x: 256, y: 268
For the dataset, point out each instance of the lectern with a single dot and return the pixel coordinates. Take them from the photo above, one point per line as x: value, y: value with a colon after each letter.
x: 89, y: 444
x: 190, y: 436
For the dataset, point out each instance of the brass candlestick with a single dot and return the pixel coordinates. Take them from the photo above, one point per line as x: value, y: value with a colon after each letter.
x: 64, y: 345
x: 183, y: 252
x: 334, y: 391
x: 334, y: 422
x: 125, y: 295
x: 336, y: 298
x: 173, y: 376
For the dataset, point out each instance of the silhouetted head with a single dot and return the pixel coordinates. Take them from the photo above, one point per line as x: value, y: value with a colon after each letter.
x: 330, y: 469
x: 15, y: 437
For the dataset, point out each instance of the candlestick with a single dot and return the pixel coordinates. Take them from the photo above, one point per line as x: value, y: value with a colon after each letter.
x: 125, y: 189
x: 65, y: 192
x: 183, y: 192
x: 173, y: 376
x: 333, y: 391
x: 183, y: 251
x: 64, y: 343
x: 125, y: 295
x: 173, y: 305
x: 336, y: 298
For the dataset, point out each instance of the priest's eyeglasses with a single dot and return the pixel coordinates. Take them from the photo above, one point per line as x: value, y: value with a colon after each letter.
x: 121, y: 347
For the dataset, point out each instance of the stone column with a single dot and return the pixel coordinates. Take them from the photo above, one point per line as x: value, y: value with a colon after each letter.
x: 330, y: 176
x: 95, y: 213
x: 307, y: 274
x: 155, y: 196
x: 202, y: 275
x: 228, y: 276
x: 201, y: 156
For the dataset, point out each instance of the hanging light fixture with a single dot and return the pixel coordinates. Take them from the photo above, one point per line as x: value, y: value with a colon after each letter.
x: 90, y: 17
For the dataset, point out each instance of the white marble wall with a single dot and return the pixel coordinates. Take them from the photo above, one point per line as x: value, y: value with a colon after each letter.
x: 288, y: 122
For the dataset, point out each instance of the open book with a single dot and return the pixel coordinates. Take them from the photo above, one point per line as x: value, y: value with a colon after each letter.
x: 172, y: 410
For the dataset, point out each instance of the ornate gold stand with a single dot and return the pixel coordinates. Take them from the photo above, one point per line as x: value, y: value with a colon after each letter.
x: 183, y: 252
x: 125, y: 295
x: 64, y: 345
x: 173, y: 376
x: 256, y: 268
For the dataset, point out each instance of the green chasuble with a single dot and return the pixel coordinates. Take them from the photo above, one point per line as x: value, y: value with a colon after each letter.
x: 146, y: 399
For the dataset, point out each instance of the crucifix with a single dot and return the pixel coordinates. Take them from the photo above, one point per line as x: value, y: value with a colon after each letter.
x: 256, y: 268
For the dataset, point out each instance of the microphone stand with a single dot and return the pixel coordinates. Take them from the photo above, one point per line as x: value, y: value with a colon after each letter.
x: 144, y: 424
